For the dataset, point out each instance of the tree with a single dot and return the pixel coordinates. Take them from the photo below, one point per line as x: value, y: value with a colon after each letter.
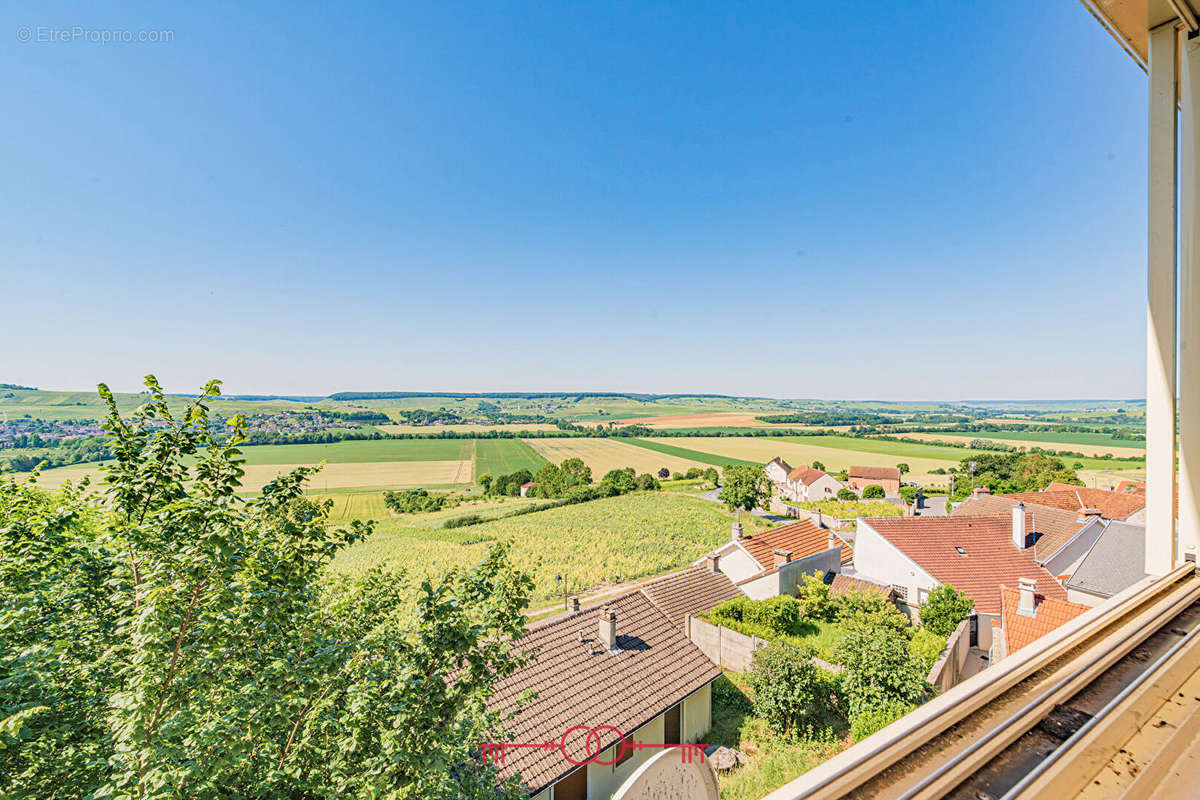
x: 903, y: 468
x: 745, y: 486
x: 789, y: 690
x: 846, y: 493
x: 711, y: 475
x: 843, y: 476
x: 818, y: 465
x: 622, y: 480
x: 576, y: 472
x: 1004, y: 473
x: 873, y: 491
x: 908, y: 494
x: 945, y: 608
x: 485, y: 480
x: 189, y: 642
x: 647, y: 482
x: 814, y: 599
x: 879, y: 670
x: 664, y: 473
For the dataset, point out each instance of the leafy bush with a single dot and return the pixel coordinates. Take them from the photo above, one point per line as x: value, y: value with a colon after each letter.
x: 853, y: 509
x: 779, y: 616
x: 879, y: 670
x: 413, y: 501
x: 908, y: 494
x: 813, y: 596
x: 846, y: 493
x: 464, y: 521
x: 872, y: 721
x: 945, y: 608
x: 857, y: 609
x: 927, y: 646
x: 873, y: 491
x: 648, y: 483
x: 790, y: 692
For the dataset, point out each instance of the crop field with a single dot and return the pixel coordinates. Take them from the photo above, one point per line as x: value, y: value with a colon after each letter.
x: 381, y: 474
x: 505, y: 456
x: 719, y: 419
x: 683, y: 452
x: 1087, y: 443
x: 603, y: 455
x: 593, y: 544
x: 364, y: 450
x: 804, y: 450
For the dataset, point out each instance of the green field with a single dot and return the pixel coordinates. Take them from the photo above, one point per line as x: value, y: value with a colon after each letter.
x: 909, y: 450
x: 660, y: 446
x: 505, y: 456
x: 1050, y: 437
x: 603, y: 542
x: 363, y: 451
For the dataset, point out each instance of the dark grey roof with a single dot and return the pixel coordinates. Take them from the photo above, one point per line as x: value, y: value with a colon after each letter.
x: 1115, y: 562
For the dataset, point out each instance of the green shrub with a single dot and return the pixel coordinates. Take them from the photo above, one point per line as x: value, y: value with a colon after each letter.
x: 790, y: 692
x: 813, y: 597
x: 464, y: 521
x: 647, y: 482
x: 879, y: 670
x: 776, y: 616
x: 945, y: 608
x: 846, y: 494
x: 869, y: 722
x: 873, y: 491
x: 927, y: 646
x: 908, y: 494
x: 866, y: 610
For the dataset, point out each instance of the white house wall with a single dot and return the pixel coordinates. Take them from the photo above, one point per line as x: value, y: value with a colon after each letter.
x: 879, y: 560
x: 737, y: 564
x: 604, y: 779
x: 824, y: 488
x: 697, y: 715
x: 1068, y: 559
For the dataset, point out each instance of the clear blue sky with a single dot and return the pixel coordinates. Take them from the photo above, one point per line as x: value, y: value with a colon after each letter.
x: 663, y: 197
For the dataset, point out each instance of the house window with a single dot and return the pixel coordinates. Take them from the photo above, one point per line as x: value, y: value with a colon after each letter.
x: 572, y: 787
x: 901, y: 593
x: 922, y: 596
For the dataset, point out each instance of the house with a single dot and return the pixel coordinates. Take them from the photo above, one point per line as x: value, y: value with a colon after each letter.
x: 841, y: 584
x: 807, y: 484
x: 1027, y: 615
x: 1060, y: 538
x: 975, y: 554
x: 693, y: 591
x: 777, y: 471
x: 526, y: 488
x: 774, y: 561
x: 860, y: 478
x: 1115, y: 562
x: 618, y: 669
x: 1126, y: 506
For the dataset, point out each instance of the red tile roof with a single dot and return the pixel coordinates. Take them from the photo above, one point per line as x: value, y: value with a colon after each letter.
x: 990, y: 560
x: 1020, y: 630
x: 655, y: 667
x: 845, y: 584
x: 802, y: 539
x: 1111, y: 505
x: 1054, y: 526
x: 876, y: 473
x: 692, y: 591
x: 806, y: 474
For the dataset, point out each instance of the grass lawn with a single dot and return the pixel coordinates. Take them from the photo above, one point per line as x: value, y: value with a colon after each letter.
x: 773, y: 761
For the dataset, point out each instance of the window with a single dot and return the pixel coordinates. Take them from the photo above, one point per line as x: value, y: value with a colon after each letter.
x: 572, y: 787
x: 922, y: 596
x: 901, y: 592
x: 961, y: 552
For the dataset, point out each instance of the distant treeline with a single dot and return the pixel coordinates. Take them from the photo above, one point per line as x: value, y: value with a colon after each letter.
x: 18, y: 387
x: 62, y: 453
x: 1118, y: 434
x: 530, y: 396
x: 828, y: 418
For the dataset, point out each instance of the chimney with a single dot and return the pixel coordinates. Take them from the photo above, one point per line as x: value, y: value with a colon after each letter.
x: 737, y: 531
x: 1018, y: 526
x: 608, y: 629
x: 832, y: 541
x: 1027, y: 605
x: 574, y: 605
x: 980, y: 490
x: 783, y: 557
x: 714, y: 562
x: 1090, y: 512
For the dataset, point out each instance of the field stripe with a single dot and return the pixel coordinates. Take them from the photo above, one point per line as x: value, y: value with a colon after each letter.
x: 682, y: 452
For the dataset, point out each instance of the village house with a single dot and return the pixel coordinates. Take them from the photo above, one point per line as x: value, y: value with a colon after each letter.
x: 526, y: 488
x: 774, y: 561
x: 1127, y: 506
x: 1115, y: 562
x: 975, y: 554
x: 860, y: 478
x: 694, y: 591
x: 1060, y: 539
x: 807, y: 484
x: 777, y: 472
x: 618, y: 667
x: 1027, y: 615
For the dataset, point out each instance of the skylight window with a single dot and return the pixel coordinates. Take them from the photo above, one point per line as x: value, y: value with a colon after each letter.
x: 961, y: 552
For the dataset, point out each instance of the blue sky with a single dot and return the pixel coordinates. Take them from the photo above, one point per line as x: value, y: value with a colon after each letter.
x: 844, y: 200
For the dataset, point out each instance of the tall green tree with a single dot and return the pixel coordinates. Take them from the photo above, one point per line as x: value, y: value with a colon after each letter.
x: 177, y: 640
x: 743, y: 486
x: 944, y: 609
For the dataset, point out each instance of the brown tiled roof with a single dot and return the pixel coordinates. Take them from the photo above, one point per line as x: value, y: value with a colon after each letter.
x: 876, y: 473
x: 806, y: 474
x: 1020, y: 630
x: 844, y: 584
x: 655, y: 667
x: 990, y: 559
x: 783, y: 464
x: 802, y: 538
x: 692, y: 591
x: 1054, y: 526
x: 1130, y: 486
x: 1111, y: 505
x: 1059, y: 486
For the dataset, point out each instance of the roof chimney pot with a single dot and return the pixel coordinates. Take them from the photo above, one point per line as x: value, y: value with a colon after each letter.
x: 783, y: 557
x: 714, y: 562
x: 1018, y: 526
x: 1027, y: 604
x: 608, y: 629
x: 737, y: 531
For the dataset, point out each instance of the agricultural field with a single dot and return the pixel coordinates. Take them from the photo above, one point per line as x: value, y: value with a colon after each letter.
x: 1090, y: 444
x: 603, y: 455
x: 505, y: 456
x: 727, y: 419
x: 662, y: 446
x: 464, y: 427
x: 593, y: 544
x: 359, y: 451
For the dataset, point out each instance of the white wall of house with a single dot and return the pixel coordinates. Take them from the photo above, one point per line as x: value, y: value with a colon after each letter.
x: 879, y: 560
x: 736, y: 563
x: 1068, y: 559
x: 785, y: 579
x: 604, y: 779
x: 775, y: 473
x: 1084, y: 598
x: 823, y: 488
